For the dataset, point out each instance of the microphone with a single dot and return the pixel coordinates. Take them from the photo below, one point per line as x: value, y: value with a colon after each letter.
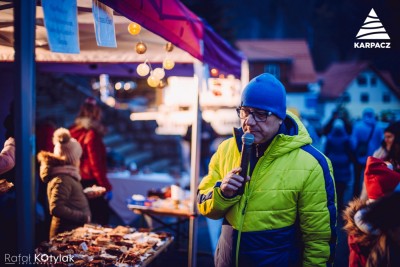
x: 247, y: 142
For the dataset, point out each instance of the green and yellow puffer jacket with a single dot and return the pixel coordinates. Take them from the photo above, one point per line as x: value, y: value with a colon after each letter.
x: 287, y: 214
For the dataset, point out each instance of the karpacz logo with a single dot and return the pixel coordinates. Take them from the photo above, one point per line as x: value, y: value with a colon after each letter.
x: 371, y: 44
x: 372, y: 29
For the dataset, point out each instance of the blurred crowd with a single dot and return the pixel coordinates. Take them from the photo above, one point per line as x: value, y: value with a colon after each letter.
x: 348, y: 144
x: 365, y: 156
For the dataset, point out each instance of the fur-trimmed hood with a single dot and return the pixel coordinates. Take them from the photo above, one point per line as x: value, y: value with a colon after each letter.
x: 52, y: 165
x: 368, y: 246
x: 89, y: 124
x: 354, y: 226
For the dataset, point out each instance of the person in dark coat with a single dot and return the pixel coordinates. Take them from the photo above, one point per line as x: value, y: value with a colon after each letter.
x: 339, y: 113
x: 68, y: 204
x: 207, y: 136
x: 339, y: 151
x: 365, y: 139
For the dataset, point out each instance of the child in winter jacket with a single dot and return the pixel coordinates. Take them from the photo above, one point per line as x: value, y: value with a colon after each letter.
x: 68, y: 204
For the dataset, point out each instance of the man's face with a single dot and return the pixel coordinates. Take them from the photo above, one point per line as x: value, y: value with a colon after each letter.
x: 261, y: 124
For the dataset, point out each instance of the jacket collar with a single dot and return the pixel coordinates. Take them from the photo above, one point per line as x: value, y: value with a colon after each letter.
x: 291, y: 135
x: 52, y: 165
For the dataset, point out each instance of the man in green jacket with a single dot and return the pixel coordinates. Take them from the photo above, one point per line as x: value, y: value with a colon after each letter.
x: 287, y: 213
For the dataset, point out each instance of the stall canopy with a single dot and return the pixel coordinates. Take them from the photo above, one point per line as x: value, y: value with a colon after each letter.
x: 162, y: 20
x: 173, y: 21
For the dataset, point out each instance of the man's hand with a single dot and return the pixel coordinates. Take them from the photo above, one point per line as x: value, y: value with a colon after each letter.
x: 232, y: 182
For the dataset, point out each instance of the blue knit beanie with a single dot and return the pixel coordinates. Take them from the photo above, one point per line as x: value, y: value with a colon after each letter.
x: 267, y: 93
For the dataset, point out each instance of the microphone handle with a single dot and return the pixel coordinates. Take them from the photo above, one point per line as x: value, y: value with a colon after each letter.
x: 244, y: 164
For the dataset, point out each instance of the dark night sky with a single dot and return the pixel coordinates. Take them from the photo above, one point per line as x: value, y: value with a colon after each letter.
x: 330, y: 26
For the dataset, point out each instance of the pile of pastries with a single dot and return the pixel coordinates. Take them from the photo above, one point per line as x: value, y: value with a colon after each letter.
x: 94, y: 245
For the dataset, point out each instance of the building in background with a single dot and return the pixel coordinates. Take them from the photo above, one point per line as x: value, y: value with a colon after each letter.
x: 290, y: 61
x: 357, y: 85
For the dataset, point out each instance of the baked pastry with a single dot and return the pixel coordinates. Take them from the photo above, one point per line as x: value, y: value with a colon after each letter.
x: 94, y: 191
x: 103, y: 246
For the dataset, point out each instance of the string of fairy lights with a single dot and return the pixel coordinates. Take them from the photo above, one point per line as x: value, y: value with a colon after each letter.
x: 156, y: 76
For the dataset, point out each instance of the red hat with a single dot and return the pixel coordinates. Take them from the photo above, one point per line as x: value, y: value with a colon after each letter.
x: 379, y: 179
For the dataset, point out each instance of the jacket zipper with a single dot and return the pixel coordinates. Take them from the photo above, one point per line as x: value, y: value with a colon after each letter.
x: 244, y: 209
x: 257, y: 150
x: 240, y: 233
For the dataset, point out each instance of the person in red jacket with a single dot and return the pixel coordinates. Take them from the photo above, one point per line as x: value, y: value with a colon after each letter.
x: 89, y: 131
x: 365, y: 240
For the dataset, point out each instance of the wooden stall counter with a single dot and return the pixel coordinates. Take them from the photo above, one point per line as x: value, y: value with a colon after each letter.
x: 125, y: 185
x: 160, y: 210
x: 164, y: 207
x: 93, y: 245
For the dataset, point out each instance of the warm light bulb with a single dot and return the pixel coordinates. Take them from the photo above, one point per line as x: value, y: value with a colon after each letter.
x: 127, y: 86
x: 168, y: 64
x: 214, y: 72
x: 159, y: 73
x: 141, y: 48
x: 169, y: 47
x: 118, y: 85
x: 143, y: 69
x: 153, y: 81
x: 134, y: 28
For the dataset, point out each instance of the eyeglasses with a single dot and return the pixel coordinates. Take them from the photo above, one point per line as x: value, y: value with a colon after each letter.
x: 258, y: 116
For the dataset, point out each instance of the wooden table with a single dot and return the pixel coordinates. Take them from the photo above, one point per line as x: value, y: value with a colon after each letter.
x: 125, y: 185
x: 147, y: 261
x: 182, y: 216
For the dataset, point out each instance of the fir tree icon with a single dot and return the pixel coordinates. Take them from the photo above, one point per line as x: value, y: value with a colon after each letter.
x: 372, y: 28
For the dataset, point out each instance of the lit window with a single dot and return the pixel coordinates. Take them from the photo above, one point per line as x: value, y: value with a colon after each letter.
x: 364, y: 98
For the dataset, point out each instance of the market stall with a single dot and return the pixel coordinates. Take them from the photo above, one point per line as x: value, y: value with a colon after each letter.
x: 168, y: 19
